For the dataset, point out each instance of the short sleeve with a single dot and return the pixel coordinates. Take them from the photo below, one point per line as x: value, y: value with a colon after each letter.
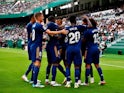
x: 28, y: 27
x: 42, y: 28
x: 48, y: 26
x: 52, y: 26
x: 67, y: 28
x: 82, y: 28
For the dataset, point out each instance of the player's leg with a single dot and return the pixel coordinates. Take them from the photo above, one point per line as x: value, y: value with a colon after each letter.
x: 79, y: 81
x: 91, y: 75
x: 31, y: 80
x: 88, y: 61
x: 48, y: 68
x: 77, y: 72
x: 69, y: 57
x: 96, y: 62
x: 30, y: 66
x: 83, y: 48
x: 63, y: 57
x: 24, y: 77
x: 87, y: 73
x: 81, y: 53
x: 102, y: 81
x: 54, y: 60
x: 60, y: 67
x: 77, y: 64
x: 36, y: 59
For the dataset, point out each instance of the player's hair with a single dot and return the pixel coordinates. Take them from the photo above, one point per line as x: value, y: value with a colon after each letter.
x: 72, y: 19
x: 85, y: 20
x: 93, y: 22
x: 37, y: 15
x: 51, y: 18
x: 30, y: 17
x: 60, y: 20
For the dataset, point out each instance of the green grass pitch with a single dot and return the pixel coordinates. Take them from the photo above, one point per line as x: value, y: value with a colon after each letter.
x: 14, y: 62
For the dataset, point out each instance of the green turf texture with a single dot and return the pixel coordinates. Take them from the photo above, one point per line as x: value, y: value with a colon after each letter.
x: 14, y: 62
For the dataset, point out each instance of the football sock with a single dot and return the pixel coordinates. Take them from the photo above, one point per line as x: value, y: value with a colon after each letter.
x: 87, y: 72
x: 32, y: 73
x: 48, y: 71
x: 68, y: 73
x: 100, y: 73
x: 61, y: 69
x: 54, y: 71
x: 91, y: 71
x: 35, y: 74
x: 77, y: 74
x: 29, y: 69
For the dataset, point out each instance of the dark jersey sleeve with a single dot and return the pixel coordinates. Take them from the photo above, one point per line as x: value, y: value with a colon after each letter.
x: 67, y: 28
x: 52, y: 26
x: 42, y: 28
x: 29, y: 27
x: 82, y: 28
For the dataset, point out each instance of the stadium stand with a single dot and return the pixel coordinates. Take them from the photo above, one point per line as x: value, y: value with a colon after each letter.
x: 21, y: 5
x: 12, y: 35
x: 110, y: 29
x: 110, y: 24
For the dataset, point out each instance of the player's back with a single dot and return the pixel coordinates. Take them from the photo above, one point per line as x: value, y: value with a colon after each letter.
x: 29, y: 30
x: 91, y: 37
x: 74, y: 35
x: 53, y: 27
x: 37, y: 33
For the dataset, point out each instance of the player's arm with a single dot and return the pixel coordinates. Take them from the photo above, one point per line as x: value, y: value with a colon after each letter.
x: 88, y: 21
x: 56, y: 32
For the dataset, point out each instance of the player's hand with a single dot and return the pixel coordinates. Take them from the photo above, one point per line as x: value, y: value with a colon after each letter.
x: 48, y: 31
x: 65, y: 32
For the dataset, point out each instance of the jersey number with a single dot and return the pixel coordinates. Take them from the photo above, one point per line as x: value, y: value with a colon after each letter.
x: 33, y: 35
x: 74, y: 37
x: 95, y: 36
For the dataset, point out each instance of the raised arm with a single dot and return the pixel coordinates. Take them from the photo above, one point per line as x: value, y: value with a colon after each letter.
x: 88, y: 21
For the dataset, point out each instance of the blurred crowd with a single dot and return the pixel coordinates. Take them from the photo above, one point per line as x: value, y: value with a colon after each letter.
x: 106, y: 13
x: 12, y: 33
x: 110, y: 28
x: 22, y: 5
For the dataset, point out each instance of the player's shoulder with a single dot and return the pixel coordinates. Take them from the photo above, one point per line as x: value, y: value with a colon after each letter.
x: 67, y: 28
x: 29, y: 24
x: 37, y: 25
x: 94, y: 30
x: 51, y: 24
x: 82, y: 26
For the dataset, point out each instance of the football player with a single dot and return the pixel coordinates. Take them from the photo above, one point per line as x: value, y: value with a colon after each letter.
x: 92, y: 52
x: 73, y: 49
x: 52, y: 53
x: 36, y: 46
x: 29, y: 33
x: 83, y: 48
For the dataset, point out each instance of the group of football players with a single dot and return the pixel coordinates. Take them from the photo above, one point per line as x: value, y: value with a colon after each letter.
x: 66, y: 43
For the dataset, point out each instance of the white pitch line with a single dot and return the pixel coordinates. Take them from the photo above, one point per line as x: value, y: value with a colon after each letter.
x: 113, y: 65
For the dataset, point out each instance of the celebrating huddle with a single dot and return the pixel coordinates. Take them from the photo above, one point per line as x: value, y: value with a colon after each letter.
x: 67, y: 43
